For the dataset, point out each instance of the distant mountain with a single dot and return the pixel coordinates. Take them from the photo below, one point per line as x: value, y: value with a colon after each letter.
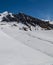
x: 27, y: 20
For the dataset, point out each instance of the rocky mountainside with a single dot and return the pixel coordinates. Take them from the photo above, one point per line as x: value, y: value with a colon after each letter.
x: 26, y: 20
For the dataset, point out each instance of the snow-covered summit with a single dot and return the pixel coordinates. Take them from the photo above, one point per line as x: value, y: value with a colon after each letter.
x: 5, y: 15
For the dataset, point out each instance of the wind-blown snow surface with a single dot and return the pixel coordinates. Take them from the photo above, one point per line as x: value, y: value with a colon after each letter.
x: 13, y: 52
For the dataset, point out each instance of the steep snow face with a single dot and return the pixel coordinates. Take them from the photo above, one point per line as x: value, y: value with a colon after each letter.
x: 41, y: 40
x: 13, y: 52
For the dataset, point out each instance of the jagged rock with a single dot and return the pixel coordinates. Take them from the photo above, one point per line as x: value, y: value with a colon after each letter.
x: 29, y: 20
x: 25, y: 29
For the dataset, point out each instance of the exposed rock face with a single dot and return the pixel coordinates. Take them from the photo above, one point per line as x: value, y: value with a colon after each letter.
x: 8, y: 18
x: 31, y: 21
x: 26, y: 20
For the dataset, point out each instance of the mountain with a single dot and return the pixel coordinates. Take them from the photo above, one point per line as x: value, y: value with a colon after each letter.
x: 26, y: 20
x: 25, y: 40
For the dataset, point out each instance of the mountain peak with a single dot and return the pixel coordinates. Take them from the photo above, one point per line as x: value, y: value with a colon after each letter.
x: 25, y: 19
x: 5, y: 13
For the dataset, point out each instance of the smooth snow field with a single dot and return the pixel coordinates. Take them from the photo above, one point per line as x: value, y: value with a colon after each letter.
x: 18, y: 47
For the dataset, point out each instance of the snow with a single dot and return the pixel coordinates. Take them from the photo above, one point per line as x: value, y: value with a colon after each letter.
x: 45, y: 20
x: 11, y: 14
x: 18, y: 47
x: 4, y: 14
x: 41, y: 40
x: 13, y: 52
x: 51, y: 22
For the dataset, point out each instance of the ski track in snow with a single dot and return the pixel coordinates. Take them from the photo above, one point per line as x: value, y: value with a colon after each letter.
x: 35, y: 37
x: 12, y: 52
x: 39, y: 38
x: 30, y: 39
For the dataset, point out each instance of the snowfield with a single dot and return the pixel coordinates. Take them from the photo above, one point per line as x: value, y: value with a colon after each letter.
x: 18, y: 47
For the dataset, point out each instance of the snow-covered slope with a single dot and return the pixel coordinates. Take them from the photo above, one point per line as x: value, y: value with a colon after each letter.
x: 13, y: 52
x: 41, y: 40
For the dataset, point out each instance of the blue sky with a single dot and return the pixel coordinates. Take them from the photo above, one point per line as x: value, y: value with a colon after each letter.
x: 38, y: 8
